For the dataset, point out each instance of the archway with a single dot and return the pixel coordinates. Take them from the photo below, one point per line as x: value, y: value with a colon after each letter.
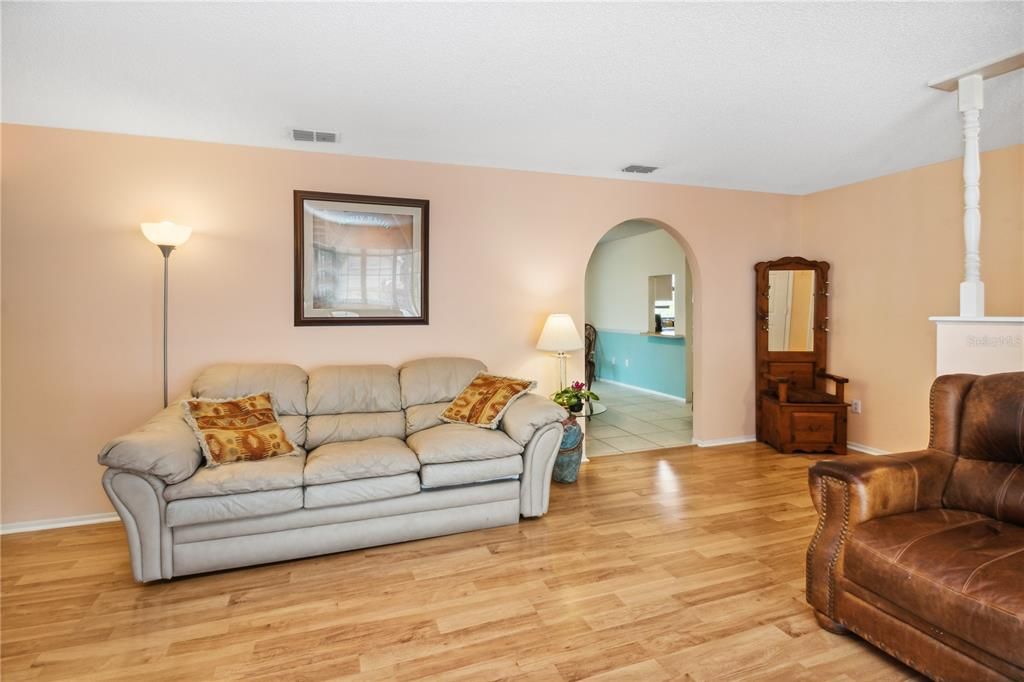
x: 641, y: 302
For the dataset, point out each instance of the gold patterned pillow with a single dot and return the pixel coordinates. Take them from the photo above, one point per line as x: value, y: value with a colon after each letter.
x: 485, y: 400
x: 238, y: 429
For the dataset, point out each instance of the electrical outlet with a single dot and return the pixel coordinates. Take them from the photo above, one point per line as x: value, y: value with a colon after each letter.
x: 613, y: 361
x: 627, y: 362
x: 855, y: 406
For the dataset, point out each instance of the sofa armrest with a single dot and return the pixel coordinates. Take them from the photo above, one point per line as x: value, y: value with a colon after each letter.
x: 164, y: 447
x: 529, y: 413
x: 855, y: 489
x: 139, y: 501
x: 538, y: 463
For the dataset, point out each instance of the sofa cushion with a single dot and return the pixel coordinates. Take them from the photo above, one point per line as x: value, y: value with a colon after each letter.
x: 461, y: 443
x: 419, y: 417
x: 243, y: 429
x: 164, y: 447
x: 277, y: 473
x: 484, y: 401
x: 435, y: 380
x: 336, y: 428
x: 994, y: 489
x: 992, y: 425
x: 958, y: 570
x: 356, y: 388
x: 353, y: 460
x: 361, y: 490
x: 232, y: 507
x: 463, y: 473
x: 285, y: 383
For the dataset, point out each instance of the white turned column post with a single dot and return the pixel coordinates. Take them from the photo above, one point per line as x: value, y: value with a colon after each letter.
x: 972, y: 289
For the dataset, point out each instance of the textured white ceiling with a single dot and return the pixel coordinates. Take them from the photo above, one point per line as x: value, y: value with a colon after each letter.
x: 775, y: 97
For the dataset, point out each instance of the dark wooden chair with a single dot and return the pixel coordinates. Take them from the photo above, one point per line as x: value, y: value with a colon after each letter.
x: 590, y: 353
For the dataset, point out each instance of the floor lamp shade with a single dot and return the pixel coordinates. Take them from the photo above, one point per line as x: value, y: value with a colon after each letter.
x: 166, y: 233
x: 560, y: 336
x: 167, y: 236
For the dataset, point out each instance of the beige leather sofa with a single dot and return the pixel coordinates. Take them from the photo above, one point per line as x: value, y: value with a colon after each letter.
x: 378, y: 466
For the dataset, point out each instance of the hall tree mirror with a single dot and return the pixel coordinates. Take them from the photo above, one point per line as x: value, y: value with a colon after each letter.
x: 791, y: 310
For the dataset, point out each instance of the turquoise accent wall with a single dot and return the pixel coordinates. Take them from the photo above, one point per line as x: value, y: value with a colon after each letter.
x: 656, y: 364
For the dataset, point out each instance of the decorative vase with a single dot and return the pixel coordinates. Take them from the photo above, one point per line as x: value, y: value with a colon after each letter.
x: 576, y: 407
x: 570, y: 453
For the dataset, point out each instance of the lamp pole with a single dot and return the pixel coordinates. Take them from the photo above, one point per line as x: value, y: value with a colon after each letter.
x: 562, y: 378
x: 167, y: 236
x: 166, y: 250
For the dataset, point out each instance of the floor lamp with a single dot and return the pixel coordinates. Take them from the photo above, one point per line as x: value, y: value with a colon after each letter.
x: 560, y: 336
x: 166, y: 235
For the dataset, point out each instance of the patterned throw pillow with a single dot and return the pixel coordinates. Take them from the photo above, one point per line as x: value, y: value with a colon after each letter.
x: 485, y: 400
x: 238, y: 429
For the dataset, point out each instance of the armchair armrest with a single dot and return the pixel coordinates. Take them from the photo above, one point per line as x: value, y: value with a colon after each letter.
x: 840, y: 381
x: 783, y: 383
x: 858, y: 488
x: 164, y: 447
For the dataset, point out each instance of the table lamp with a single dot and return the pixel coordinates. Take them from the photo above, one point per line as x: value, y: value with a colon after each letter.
x: 560, y: 336
x: 167, y: 236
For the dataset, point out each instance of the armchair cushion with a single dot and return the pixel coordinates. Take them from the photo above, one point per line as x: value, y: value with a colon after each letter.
x: 164, y: 447
x: 461, y: 443
x: 528, y: 414
x: 955, y: 570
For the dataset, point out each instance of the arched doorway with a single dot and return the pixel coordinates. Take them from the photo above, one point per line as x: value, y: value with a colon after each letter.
x: 640, y: 298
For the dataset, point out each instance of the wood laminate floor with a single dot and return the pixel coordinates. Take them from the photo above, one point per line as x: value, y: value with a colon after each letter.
x: 674, y: 564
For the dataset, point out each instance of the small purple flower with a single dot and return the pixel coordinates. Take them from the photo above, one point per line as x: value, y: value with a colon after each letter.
x: 578, y: 385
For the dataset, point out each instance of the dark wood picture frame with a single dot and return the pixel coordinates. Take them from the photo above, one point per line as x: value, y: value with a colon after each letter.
x: 301, y: 319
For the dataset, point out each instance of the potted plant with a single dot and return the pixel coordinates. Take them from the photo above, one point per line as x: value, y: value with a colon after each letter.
x: 574, y: 396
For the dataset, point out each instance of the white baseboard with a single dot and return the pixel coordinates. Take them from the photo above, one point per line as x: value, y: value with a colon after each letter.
x: 65, y: 522
x: 642, y: 390
x: 866, y: 449
x: 735, y: 440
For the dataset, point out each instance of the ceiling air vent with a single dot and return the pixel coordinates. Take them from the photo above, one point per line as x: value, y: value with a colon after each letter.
x: 313, y: 136
x: 637, y: 168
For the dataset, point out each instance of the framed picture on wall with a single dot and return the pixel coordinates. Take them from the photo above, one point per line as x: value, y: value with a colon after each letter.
x: 360, y: 260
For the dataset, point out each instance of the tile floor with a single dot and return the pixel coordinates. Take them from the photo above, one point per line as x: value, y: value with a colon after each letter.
x: 636, y: 420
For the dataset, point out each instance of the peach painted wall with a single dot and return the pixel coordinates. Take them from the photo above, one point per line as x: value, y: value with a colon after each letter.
x: 896, y: 248
x: 82, y: 288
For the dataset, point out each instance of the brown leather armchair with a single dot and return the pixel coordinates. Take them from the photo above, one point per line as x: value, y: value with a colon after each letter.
x: 922, y: 553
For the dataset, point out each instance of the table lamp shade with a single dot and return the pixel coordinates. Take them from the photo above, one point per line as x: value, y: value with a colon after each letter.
x: 166, y: 233
x: 559, y: 334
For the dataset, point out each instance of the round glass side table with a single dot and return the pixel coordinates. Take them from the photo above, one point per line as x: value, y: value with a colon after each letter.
x: 590, y: 408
